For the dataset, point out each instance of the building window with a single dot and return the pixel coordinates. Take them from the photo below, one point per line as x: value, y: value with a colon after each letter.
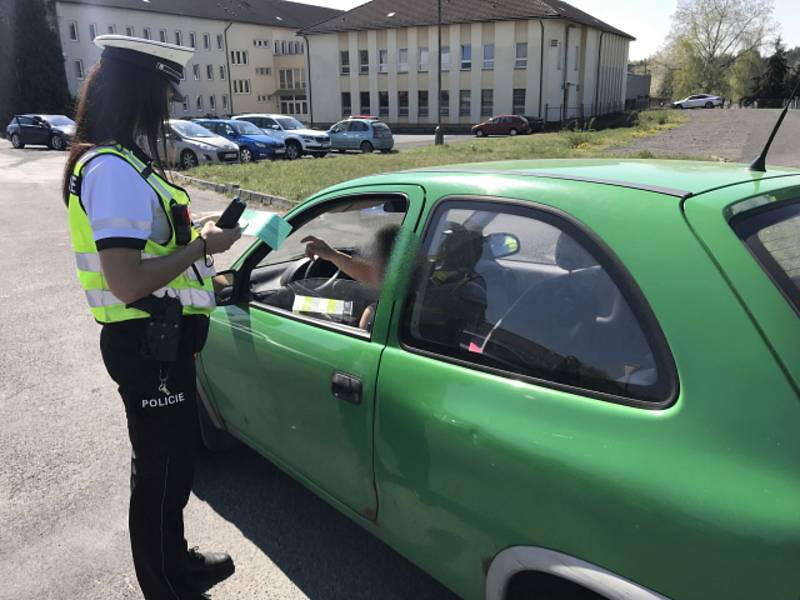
x: 383, y: 104
x: 521, y: 55
x: 206, y: 41
x: 224, y: 101
x: 162, y: 36
x: 92, y: 31
x: 488, y: 56
x: 147, y: 34
x: 363, y: 67
x: 199, y: 104
x: 192, y: 39
x: 186, y: 101
x: 179, y: 38
x: 220, y: 44
x: 422, y: 59
x: 402, y: 104
x: 112, y: 29
x: 212, y: 103
x: 344, y: 62
x: 222, y: 71
x: 129, y: 31
x: 402, y: 60
x: 487, y: 103
x: 383, y: 61
x: 466, y: 57
x: 518, y: 104
x: 238, y: 57
x: 422, y: 103
x: 264, y: 71
x: 294, y: 105
x: 444, y: 103
x: 346, y: 107
x: 277, y: 47
x: 210, y: 71
x: 79, y: 69
x: 196, y: 72
x: 73, y: 31
x: 364, y: 107
x: 445, y: 58
x: 241, y: 86
x: 283, y: 47
x: 464, y: 103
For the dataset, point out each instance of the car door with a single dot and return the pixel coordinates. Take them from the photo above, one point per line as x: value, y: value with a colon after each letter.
x: 29, y: 132
x: 337, y: 134
x: 356, y: 133
x: 295, y: 386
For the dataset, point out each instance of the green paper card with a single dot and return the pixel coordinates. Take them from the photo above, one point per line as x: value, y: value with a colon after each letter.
x: 268, y: 227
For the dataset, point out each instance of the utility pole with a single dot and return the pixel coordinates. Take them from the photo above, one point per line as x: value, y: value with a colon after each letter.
x: 439, y: 134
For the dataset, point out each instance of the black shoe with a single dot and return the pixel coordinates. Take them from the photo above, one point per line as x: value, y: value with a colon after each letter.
x: 211, y: 565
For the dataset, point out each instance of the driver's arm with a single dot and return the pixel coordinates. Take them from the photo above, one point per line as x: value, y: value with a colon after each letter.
x: 355, y: 268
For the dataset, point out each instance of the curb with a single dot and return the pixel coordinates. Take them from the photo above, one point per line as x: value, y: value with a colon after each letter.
x: 230, y: 189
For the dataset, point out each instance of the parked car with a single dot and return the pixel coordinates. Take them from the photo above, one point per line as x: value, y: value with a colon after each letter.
x: 699, y: 101
x: 581, y: 378
x: 363, y: 134
x: 502, y: 125
x: 253, y: 143
x: 55, y: 131
x: 298, y: 139
x: 190, y: 144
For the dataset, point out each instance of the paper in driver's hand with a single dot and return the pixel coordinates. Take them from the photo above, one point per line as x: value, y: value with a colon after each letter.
x: 266, y: 226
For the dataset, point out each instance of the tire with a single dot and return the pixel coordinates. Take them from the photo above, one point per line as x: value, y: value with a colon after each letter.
x: 367, y: 148
x: 512, y: 132
x: 293, y: 150
x: 681, y: 106
x: 214, y: 439
x: 709, y: 105
x: 57, y: 142
x: 189, y: 160
x: 480, y: 133
x: 16, y: 141
x: 246, y: 155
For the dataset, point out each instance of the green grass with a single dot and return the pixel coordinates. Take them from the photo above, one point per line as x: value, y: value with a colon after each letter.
x: 296, y: 180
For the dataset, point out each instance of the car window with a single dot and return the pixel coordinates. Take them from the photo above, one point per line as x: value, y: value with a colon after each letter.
x: 245, y: 128
x: 59, y: 120
x: 358, y: 126
x: 191, y: 129
x: 362, y: 228
x: 522, y: 291
x: 290, y: 123
x: 772, y: 233
x: 25, y: 120
x: 268, y: 123
x: 339, y: 127
x: 381, y: 129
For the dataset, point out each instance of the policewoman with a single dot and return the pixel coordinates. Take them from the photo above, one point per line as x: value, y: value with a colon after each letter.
x: 146, y: 272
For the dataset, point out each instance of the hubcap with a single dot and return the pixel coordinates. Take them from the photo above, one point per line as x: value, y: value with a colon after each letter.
x: 15, y: 140
x: 292, y: 152
x: 246, y: 156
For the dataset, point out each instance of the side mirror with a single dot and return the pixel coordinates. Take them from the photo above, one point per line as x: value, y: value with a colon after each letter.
x: 502, y: 245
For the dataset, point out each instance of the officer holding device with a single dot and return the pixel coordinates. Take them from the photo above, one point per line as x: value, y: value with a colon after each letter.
x: 147, y: 275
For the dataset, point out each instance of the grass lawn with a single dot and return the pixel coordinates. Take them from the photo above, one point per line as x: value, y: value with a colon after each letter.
x: 298, y: 179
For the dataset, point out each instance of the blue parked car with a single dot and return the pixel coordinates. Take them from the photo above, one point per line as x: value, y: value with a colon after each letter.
x: 253, y: 143
x: 365, y: 135
x: 55, y: 131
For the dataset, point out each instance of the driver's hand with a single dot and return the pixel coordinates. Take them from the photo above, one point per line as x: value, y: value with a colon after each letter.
x: 319, y: 247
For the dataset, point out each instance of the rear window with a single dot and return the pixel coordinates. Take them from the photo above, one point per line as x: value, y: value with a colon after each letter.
x: 772, y: 234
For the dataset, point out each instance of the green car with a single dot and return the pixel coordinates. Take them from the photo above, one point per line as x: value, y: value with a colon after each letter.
x: 578, y: 379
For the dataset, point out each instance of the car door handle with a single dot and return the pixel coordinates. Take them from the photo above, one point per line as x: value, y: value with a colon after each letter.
x: 346, y: 387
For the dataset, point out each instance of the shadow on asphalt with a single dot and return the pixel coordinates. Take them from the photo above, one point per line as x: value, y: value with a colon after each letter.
x: 325, y: 554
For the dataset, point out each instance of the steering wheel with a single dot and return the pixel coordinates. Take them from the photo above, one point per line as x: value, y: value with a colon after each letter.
x: 328, y: 283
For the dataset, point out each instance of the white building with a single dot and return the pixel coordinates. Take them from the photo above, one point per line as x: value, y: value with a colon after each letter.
x: 543, y: 59
x: 248, y: 58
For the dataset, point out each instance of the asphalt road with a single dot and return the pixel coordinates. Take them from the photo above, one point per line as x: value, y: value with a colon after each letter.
x: 64, y: 453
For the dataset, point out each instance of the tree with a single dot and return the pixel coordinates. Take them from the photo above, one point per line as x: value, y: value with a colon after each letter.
x: 773, y: 87
x: 745, y: 75
x: 6, y: 91
x: 710, y: 36
x: 38, y: 77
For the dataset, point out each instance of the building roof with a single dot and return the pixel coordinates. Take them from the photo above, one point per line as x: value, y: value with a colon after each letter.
x: 277, y: 13
x: 386, y: 14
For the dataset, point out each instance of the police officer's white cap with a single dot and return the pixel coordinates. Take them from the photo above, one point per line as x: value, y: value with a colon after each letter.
x: 169, y: 60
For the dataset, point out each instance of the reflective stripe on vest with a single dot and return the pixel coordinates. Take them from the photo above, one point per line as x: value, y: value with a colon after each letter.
x: 193, y: 287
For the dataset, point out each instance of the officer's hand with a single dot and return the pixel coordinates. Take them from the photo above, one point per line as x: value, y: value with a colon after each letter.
x: 219, y: 240
x: 320, y: 247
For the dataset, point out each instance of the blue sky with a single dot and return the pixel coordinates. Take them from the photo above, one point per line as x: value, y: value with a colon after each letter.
x: 648, y: 21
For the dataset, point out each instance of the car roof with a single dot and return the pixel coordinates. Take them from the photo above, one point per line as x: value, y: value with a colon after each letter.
x: 270, y: 115
x: 679, y: 179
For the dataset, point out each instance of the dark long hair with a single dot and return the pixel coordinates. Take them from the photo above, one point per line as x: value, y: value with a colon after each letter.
x: 123, y: 102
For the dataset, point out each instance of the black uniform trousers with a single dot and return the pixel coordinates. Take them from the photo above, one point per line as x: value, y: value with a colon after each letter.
x: 164, y: 435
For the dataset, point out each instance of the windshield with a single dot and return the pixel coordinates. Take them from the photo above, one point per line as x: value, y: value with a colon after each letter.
x: 59, y: 120
x: 246, y: 128
x: 290, y: 123
x: 191, y: 129
x: 772, y: 233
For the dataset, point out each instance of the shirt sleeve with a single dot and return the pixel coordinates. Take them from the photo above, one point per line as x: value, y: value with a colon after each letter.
x: 119, y: 203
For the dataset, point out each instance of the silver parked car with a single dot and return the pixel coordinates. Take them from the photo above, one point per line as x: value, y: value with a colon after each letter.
x: 699, y: 101
x: 190, y: 144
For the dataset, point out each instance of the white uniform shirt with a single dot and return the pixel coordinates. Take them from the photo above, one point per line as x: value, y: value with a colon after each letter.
x: 124, y: 211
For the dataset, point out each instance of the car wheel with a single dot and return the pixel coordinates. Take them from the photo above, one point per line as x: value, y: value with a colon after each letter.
x: 293, y: 150
x: 189, y: 160
x: 246, y: 155
x: 709, y: 105
x: 367, y: 148
x: 57, y: 142
x: 680, y: 106
x: 512, y: 132
x: 16, y: 142
x: 480, y: 133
